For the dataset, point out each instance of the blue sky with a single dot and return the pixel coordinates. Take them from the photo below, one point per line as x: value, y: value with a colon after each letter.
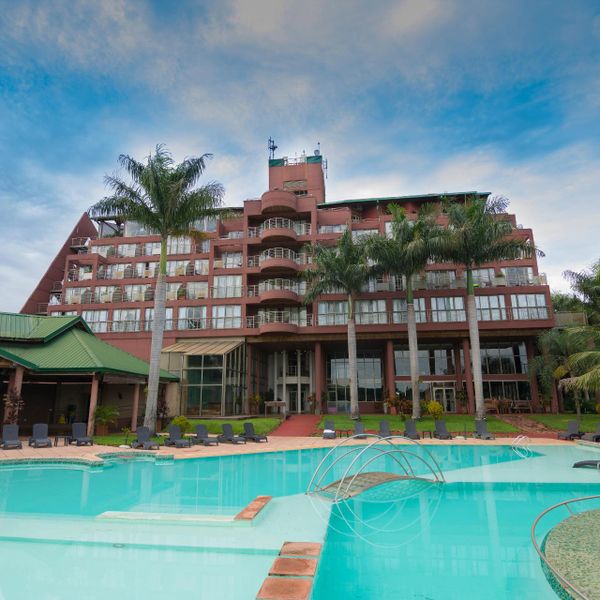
x: 406, y: 96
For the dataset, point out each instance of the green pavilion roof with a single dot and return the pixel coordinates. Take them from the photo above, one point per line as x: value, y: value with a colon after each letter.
x: 384, y: 199
x: 64, y: 345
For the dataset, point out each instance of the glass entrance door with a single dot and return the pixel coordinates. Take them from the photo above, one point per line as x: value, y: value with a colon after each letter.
x: 446, y: 396
x: 297, y: 404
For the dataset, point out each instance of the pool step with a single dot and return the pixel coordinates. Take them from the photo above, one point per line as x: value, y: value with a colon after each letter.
x: 291, y: 574
x: 251, y: 511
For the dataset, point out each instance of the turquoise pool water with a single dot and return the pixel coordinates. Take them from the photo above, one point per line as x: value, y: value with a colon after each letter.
x: 467, y: 538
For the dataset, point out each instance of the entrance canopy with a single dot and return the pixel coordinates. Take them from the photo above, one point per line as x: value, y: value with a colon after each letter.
x: 205, y: 348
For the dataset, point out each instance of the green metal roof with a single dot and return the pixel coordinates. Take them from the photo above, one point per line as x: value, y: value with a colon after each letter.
x: 417, y: 197
x: 65, y: 347
x: 34, y: 328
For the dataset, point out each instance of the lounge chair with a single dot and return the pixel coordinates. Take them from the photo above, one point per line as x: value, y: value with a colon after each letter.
x: 10, y: 437
x: 593, y: 464
x: 329, y: 431
x: 250, y: 434
x: 176, y: 439
x: 79, y: 435
x: 592, y: 437
x: 227, y: 435
x: 39, y: 436
x: 441, y: 432
x: 410, y: 429
x: 202, y: 437
x: 359, y: 430
x: 143, y: 440
x: 384, y: 429
x: 572, y: 431
x: 481, y: 431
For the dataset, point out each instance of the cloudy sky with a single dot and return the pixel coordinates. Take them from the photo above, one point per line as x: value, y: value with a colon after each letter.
x: 405, y: 96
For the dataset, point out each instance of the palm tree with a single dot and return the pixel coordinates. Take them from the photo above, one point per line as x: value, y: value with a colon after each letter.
x: 584, y: 365
x: 166, y: 200
x: 404, y: 254
x: 586, y: 287
x: 343, y: 266
x: 478, y: 233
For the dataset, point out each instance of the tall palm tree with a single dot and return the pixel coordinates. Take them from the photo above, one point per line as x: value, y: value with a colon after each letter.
x: 166, y: 200
x: 404, y: 254
x: 586, y: 286
x: 478, y: 233
x: 584, y: 365
x: 343, y: 266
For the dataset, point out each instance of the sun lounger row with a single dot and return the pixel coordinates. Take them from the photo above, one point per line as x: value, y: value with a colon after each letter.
x: 39, y: 436
x: 410, y: 430
x: 573, y: 433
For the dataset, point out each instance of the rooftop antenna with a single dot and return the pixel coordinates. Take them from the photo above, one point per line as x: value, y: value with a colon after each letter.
x: 272, y: 147
x: 318, y: 149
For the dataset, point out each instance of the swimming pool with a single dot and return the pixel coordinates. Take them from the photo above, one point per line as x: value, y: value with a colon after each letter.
x: 467, y: 538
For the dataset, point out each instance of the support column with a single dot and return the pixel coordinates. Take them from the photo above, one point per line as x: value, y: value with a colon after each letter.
x: 468, y: 376
x: 15, y: 384
x: 136, y: 406
x: 284, y: 382
x: 298, y: 384
x: 319, y: 376
x: 93, y: 403
x: 275, y: 376
x: 311, y: 371
x: 390, y: 368
x: 458, y: 372
x: 535, y: 403
x: 249, y: 384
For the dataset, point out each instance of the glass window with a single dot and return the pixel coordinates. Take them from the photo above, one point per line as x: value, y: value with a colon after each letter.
x: 192, y: 317
x: 77, y: 295
x: 203, y: 246
x: 447, y: 309
x: 105, y: 250
x: 149, y: 317
x: 126, y: 319
x: 400, y: 310
x: 370, y: 380
x: 104, y: 293
x: 371, y: 312
x: 504, y: 358
x: 207, y: 224
x: 146, y: 269
x: 127, y: 250
x: 138, y: 293
x: 231, y: 260
x: 151, y: 248
x: 440, y: 279
x: 197, y: 290
x: 483, y: 276
x: 227, y: 286
x: 133, y: 229
x: 358, y: 234
x: 179, y: 268
x: 518, y: 275
x: 227, y: 316
x: 333, y: 313
x: 179, y: 245
x: 529, y: 306
x: 201, y: 266
x: 333, y: 228
x: 96, y: 319
x: 438, y: 360
x: 490, y: 308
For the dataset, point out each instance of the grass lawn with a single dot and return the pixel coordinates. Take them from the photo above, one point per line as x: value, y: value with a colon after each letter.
x: 559, y: 422
x: 262, y: 426
x: 453, y: 422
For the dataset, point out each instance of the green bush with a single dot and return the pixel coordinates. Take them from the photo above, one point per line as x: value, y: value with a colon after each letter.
x: 106, y: 415
x: 183, y: 423
x: 598, y: 408
x: 435, y: 409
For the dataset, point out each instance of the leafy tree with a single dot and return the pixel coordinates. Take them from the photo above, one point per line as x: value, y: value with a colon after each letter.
x: 344, y: 266
x: 405, y: 254
x: 164, y: 198
x: 479, y: 233
x: 586, y: 286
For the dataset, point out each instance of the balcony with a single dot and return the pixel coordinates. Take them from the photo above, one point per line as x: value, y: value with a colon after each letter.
x: 277, y: 290
x: 277, y: 259
x: 278, y: 201
x: 279, y: 321
x: 570, y: 319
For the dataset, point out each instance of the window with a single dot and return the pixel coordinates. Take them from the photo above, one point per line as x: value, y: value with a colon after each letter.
x: 292, y: 314
x: 192, y: 317
x: 504, y: 358
x: 227, y: 316
x: 149, y: 318
x: 201, y: 266
x: 206, y: 224
x: 104, y: 293
x: 126, y: 319
x: 146, y: 269
x: 197, y: 290
x: 370, y: 380
x: 151, y: 248
x: 490, y: 308
x: 138, y: 293
x: 127, y: 250
x: 483, y: 276
x: 358, y: 234
x: 203, y: 246
x: 77, y: 295
x: 106, y: 250
x: 440, y: 279
x: 371, y: 312
x: 133, y: 229
x: 438, y: 360
x: 447, y: 309
x: 400, y: 310
x: 96, y: 319
x: 178, y: 268
x: 529, y: 306
x: 518, y: 275
x: 179, y: 245
x: 333, y: 228
x: 333, y: 313
x: 231, y: 260
x: 227, y: 286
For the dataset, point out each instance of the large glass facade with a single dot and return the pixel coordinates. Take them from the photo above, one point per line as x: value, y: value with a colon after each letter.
x: 432, y: 360
x: 503, y: 358
x: 370, y: 380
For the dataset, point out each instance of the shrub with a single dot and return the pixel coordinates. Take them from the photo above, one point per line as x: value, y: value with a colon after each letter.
x: 183, y: 424
x: 435, y: 409
x: 598, y: 408
x: 106, y: 415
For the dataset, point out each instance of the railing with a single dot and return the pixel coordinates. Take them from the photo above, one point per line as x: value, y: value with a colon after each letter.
x: 81, y: 242
x: 570, y: 319
x: 279, y: 316
x: 230, y: 291
x: 568, y: 585
x: 299, y: 258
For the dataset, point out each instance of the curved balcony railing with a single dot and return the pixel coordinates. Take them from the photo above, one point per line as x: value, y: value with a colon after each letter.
x: 289, y: 285
x: 280, y: 316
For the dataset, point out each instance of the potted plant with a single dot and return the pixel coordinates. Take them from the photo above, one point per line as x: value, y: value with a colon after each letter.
x: 254, y: 402
x: 435, y: 409
x: 312, y: 403
x: 105, y: 416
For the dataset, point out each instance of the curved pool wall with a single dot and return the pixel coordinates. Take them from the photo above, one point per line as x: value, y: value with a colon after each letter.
x: 468, y: 538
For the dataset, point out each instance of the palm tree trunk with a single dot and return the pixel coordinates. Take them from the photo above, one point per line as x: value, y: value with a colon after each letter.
x: 475, y: 349
x: 413, y: 349
x: 352, y: 362
x: 158, y: 328
x: 577, y: 400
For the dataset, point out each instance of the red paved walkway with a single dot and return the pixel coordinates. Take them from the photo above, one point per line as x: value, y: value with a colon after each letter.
x: 298, y: 426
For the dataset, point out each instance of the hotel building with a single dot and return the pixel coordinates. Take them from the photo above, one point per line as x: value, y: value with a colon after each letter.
x: 237, y: 324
